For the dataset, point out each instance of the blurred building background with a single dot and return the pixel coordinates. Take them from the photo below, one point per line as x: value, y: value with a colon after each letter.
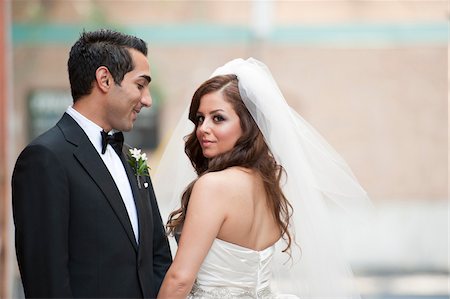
x: 370, y: 76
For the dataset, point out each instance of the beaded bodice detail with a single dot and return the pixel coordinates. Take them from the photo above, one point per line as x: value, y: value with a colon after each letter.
x: 233, y: 271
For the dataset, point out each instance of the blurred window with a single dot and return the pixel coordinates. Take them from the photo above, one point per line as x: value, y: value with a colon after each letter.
x: 46, y: 106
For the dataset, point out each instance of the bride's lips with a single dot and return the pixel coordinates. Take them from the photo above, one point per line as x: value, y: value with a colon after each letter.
x: 206, y: 143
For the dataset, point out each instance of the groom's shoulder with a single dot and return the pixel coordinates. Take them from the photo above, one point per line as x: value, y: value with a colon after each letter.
x: 43, y: 148
x: 56, y: 136
x: 51, y: 138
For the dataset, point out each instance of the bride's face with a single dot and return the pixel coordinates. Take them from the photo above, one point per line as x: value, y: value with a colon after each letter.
x: 218, y: 125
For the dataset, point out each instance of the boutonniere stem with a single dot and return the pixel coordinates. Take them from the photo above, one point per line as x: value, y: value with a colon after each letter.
x: 138, y: 162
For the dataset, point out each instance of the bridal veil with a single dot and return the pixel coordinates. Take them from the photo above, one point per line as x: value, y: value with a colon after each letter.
x: 315, y: 178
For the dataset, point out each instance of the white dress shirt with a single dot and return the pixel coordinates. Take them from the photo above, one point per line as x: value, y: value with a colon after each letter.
x: 112, y: 162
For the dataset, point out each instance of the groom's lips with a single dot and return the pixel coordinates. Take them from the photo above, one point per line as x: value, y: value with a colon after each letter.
x: 135, y: 114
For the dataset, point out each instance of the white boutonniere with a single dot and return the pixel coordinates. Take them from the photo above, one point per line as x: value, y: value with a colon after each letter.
x: 138, y: 162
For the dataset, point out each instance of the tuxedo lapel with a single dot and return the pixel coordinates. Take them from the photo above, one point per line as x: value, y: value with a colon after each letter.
x: 100, y: 174
x: 131, y: 178
x: 94, y: 166
x: 139, y: 195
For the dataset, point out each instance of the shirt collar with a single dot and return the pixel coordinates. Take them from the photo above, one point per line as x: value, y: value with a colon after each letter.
x: 91, y: 129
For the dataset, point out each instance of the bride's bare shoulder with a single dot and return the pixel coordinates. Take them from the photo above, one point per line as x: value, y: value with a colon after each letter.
x: 233, y: 178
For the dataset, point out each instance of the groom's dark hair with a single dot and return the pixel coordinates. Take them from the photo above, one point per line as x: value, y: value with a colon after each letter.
x: 102, y: 47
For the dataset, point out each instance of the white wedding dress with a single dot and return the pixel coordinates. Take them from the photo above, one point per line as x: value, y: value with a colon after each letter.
x: 315, y: 178
x: 232, y: 271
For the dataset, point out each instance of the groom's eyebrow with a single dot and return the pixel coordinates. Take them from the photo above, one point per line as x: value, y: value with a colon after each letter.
x: 147, y: 78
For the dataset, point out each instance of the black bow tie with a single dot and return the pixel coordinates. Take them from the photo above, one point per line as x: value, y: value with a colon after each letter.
x: 116, y: 141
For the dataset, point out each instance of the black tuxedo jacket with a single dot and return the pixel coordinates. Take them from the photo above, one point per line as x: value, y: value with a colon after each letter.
x: 73, y: 234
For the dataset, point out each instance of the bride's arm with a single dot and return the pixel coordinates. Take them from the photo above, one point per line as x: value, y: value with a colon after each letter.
x: 206, y: 213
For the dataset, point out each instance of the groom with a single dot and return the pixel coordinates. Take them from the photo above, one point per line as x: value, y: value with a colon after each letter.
x: 84, y: 226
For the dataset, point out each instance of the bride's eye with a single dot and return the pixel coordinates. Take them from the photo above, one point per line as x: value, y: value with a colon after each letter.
x: 200, y: 119
x: 218, y: 118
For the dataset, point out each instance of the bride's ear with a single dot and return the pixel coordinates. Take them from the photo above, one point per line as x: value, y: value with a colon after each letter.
x: 103, y: 78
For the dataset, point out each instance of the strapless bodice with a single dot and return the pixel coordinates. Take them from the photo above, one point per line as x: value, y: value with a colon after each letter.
x: 233, y: 271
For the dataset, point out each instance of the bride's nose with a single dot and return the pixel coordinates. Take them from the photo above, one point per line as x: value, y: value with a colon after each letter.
x: 204, y: 127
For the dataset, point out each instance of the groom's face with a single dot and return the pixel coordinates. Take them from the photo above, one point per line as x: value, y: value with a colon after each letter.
x: 126, y: 100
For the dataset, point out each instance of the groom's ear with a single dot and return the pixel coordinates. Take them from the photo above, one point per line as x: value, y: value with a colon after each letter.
x: 103, y: 78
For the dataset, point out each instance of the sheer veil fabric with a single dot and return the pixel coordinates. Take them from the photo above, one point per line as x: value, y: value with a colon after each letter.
x: 315, y: 177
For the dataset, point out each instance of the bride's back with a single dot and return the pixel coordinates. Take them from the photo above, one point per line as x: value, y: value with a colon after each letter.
x: 249, y: 221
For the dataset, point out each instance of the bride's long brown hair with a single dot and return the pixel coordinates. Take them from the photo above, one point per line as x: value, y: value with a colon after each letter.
x: 250, y: 151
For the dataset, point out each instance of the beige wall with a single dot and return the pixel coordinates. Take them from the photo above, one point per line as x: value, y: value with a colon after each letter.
x: 230, y: 12
x: 4, y: 190
x: 383, y: 108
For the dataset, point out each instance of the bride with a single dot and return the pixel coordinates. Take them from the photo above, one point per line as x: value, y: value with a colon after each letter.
x: 253, y: 220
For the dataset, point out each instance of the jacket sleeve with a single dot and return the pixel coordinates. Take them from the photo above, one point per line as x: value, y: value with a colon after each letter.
x: 162, y: 257
x: 40, y: 200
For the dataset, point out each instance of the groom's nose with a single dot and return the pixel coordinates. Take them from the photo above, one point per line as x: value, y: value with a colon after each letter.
x: 146, y: 99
